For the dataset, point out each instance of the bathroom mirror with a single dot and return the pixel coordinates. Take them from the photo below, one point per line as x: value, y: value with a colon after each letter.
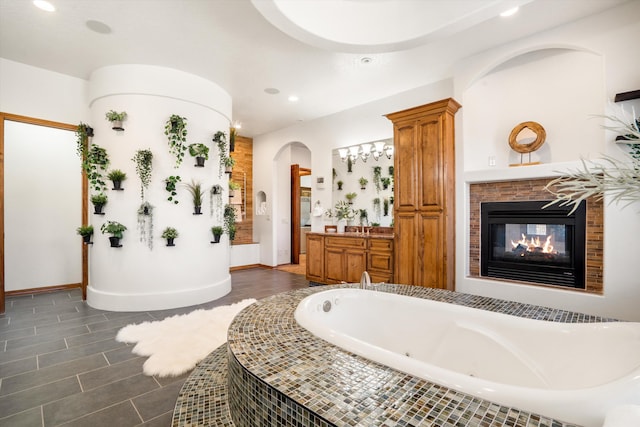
x: 363, y: 175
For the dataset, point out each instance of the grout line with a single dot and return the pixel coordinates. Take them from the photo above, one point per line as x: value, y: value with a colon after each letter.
x: 136, y: 409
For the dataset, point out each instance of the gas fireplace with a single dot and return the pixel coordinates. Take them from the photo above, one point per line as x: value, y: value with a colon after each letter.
x: 521, y: 241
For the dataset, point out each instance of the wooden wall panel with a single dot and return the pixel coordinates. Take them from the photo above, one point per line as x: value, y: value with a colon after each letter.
x: 243, y: 170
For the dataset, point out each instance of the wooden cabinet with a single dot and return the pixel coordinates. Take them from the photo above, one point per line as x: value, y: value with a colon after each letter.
x: 334, y: 259
x: 424, y: 208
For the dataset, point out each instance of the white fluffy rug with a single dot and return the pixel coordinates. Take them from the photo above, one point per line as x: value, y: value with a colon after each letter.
x: 175, y: 344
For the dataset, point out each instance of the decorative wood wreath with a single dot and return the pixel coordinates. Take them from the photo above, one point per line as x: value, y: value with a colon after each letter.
x: 527, y: 148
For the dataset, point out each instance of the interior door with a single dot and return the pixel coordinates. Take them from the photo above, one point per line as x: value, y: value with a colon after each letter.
x: 296, y: 173
x: 42, y: 203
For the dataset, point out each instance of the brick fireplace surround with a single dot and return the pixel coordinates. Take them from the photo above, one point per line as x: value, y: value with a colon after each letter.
x: 527, y: 190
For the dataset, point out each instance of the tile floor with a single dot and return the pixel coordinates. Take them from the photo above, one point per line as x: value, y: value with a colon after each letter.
x: 60, y: 363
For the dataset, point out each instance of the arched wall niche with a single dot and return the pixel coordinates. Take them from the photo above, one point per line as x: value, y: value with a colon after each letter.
x: 560, y: 87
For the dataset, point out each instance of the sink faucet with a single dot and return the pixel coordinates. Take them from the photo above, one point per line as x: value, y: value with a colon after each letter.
x: 365, y: 280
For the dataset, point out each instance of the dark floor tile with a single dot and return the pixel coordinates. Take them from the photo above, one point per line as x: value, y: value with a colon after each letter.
x: 62, y: 356
x: 157, y: 402
x: 164, y: 420
x: 21, y: 401
x: 51, y: 335
x: 92, y: 337
x: 120, y: 321
x: 73, y: 407
x: 53, y: 373
x: 120, y: 415
x: 28, y: 418
x: 17, y: 333
x: 81, y: 311
x: 120, y: 354
x: 16, y: 367
x: 82, y: 321
x: 112, y: 373
x: 33, y: 350
x: 28, y: 321
x: 61, y: 309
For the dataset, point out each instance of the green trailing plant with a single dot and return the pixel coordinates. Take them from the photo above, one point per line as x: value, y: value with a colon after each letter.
x: 195, y: 189
x: 170, y: 184
x: 229, y: 218
x: 114, y: 228
x: 391, y: 199
x: 215, y: 197
x: 363, y: 182
x: 229, y: 163
x: 335, y: 174
x: 349, y: 165
x: 169, y: 233
x: 144, y: 165
x: 376, y: 208
x: 364, y: 217
x: 94, y: 160
x: 377, y: 176
x: 385, y: 207
x: 145, y: 223
x: 220, y: 139
x: 620, y: 179
x: 391, y: 171
x: 176, y: 131
x: 114, y: 116
x: 199, y: 150
x: 386, y: 182
x: 350, y: 197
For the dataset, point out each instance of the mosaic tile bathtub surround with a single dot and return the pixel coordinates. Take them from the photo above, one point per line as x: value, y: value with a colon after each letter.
x: 282, y: 375
x: 274, y: 373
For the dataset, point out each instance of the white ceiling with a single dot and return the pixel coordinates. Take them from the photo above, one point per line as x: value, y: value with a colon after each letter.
x: 301, y: 47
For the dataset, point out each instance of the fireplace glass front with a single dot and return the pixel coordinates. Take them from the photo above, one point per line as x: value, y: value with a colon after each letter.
x: 523, y: 242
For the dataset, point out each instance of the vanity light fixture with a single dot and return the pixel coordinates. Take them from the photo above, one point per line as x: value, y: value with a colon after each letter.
x: 364, y: 151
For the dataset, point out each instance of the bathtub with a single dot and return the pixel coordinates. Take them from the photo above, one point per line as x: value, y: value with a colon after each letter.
x: 574, y: 372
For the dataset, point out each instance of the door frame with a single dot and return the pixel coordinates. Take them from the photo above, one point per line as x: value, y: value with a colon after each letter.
x: 296, y: 173
x: 84, y: 206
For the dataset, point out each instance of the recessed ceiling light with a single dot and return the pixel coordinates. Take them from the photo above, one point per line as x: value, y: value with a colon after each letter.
x: 293, y: 98
x: 237, y: 125
x: 272, y: 91
x: 509, y: 12
x: 44, y: 5
x: 366, y: 60
x: 98, y: 27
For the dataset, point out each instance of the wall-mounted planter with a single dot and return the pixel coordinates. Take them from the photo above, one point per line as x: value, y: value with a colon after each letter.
x: 87, y: 239
x: 97, y: 209
x: 117, y: 185
x: 197, y: 210
x: 170, y: 242
x: 117, y: 125
x: 199, y: 162
x: 216, y: 239
x: 115, y: 242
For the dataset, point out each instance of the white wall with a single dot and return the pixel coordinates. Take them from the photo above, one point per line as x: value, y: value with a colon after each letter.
x: 560, y: 91
x: 135, y: 277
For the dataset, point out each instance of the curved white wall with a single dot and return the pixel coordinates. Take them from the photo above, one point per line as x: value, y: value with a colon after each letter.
x: 134, y: 277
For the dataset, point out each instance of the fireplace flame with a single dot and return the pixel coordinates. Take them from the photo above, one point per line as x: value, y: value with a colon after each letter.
x: 533, y: 245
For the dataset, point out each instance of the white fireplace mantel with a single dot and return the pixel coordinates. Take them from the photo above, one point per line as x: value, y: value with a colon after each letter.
x: 524, y: 172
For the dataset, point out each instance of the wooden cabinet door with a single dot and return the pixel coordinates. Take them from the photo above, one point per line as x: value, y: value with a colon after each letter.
x: 335, y: 267
x: 315, y: 258
x: 405, y: 243
x: 431, y: 251
x: 405, y: 178
x: 355, y: 262
x: 430, y: 155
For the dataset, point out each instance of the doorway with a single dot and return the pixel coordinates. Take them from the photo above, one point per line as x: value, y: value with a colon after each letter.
x: 300, y: 202
x: 42, y: 203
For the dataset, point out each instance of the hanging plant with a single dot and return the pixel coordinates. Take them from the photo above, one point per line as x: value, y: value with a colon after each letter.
x: 143, y: 160
x: 86, y: 231
x: 176, y: 131
x: 220, y: 139
x: 94, y: 160
x: 170, y: 184
x: 376, y: 208
x: 340, y: 184
x: 349, y: 164
x: 391, y: 171
x: 217, y: 232
x: 145, y: 223
x: 386, y: 181
x: 83, y: 132
x: 363, y: 183
x: 335, y: 175
x: 230, y: 221
x: 116, y: 230
x: 99, y: 200
x: 350, y: 197
x: 116, y: 119
x: 377, y: 173
x: 117, y: 176
x: 385, y: 206
x: 200, y: 152
x: 215, y: 198
x: 364, y: 217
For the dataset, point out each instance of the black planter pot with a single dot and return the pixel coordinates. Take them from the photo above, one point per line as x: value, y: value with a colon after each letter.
x: 115, y: 242
x: 200, y: 162
x: 89, y: 130
x: 117, y: 185
x: 197, y: 210
x: 145, y: 210
x: 170, y: 242
x: 86, y: 239
x: 216, y: 238
x: 97, y: 209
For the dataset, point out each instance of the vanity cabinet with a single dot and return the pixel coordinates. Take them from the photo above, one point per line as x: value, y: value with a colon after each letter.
x: 333, y: 258
x: 424, y: 207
